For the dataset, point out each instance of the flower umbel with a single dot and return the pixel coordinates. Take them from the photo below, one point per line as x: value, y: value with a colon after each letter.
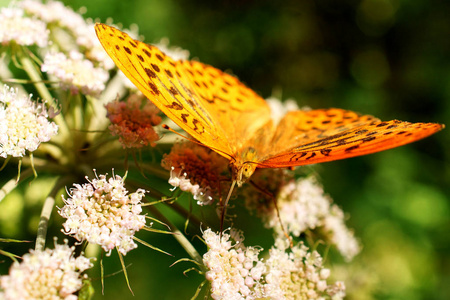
x: 25, y: 31
x: 236, y: 272
x: 298, y: 274
x: 75, y: 73
x: 303, y: 206
x: 233, y: 270
x: 49, y: 274
x: 23, y: 123
x: 195, y: 169
x: 133, y: 121
x: 56, y: 14
x: 102, y: 212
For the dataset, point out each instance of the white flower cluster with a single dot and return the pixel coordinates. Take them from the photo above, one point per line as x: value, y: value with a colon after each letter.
x: 298, y: 275
x: 202, y: 195
x: 339, y: 234
x: 23, y: 124
x: 279, y: 109
x: 54, y: 12
x: 75, y: 72
x: 25, y: 31
x: 303, y: 206
x: 236, y: 272
x: 232, y: 270
x: 103, y: 213
x: 49, y: 274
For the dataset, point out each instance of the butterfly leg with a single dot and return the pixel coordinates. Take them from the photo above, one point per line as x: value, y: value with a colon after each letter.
x: 224, y: 206
x: 274, y: 199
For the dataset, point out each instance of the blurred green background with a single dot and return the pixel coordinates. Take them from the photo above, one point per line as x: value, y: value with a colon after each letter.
x: 388, y: 58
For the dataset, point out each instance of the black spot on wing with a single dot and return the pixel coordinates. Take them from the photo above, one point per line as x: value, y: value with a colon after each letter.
x: 169, y: 73
x: 184, y: 117
x: 156, y: 68
x: 175, y: 106
x: 352, y: 148
x: 147, y: 53
x: 150, y: 73
x: 325, y: 152
x: 154, y: 88
x: 297, y: 156
x: 158, y: 56
x: 127, y: 50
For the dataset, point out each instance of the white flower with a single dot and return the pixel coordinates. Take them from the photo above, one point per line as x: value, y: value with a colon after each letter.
x: 298, y: 274
x: 23, y: 124
x: 75, y: 72
x: 102, y: 213
x: 49, y: 274
x: 54, y: 12
x: 202, y: 195
x: 303, y: 206
x: 233, y: 270
x: 236, y: 272
x: 14, y: 26
x: 278, y: 109
x: 176, y: 53
x: 340, y: 235
x: 87, y: 39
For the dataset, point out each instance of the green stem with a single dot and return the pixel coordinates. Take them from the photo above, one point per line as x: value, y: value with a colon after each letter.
x: 7, y: 188
x: 12, y: 183
x: 185, y: 213
x: 179, y: 236
x: 36, y: 78
x: 154, y: 193
x: 46, y: 213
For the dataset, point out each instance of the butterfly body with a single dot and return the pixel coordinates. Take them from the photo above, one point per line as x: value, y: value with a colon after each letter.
x: 224, y: 115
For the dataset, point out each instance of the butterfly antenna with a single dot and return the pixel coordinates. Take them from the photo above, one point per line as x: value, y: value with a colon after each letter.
x: 224, y: 207
x: 165, y: 126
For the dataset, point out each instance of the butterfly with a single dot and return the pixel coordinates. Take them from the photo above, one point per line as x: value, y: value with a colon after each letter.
x: 221, y: 113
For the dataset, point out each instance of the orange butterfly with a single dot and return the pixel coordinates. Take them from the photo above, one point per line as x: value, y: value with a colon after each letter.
x: 224, y: 115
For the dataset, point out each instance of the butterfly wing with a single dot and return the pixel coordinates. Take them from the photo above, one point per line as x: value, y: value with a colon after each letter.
x: 304, y: 126
x: 307, y: 137
x: 207, y: 103
x: 236, y: 108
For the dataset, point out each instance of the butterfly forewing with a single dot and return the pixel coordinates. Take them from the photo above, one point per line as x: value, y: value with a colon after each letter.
x: 371, y: 137
x: 214, y: 107
x: 159, y: 79
x: 235, y: 107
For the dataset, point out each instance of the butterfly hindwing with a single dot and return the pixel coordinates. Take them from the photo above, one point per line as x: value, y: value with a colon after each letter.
x: 304, y: 126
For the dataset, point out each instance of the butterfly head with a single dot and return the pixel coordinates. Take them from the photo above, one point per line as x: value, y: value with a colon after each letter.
x: 242, y: 172
x: 244, y: 166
